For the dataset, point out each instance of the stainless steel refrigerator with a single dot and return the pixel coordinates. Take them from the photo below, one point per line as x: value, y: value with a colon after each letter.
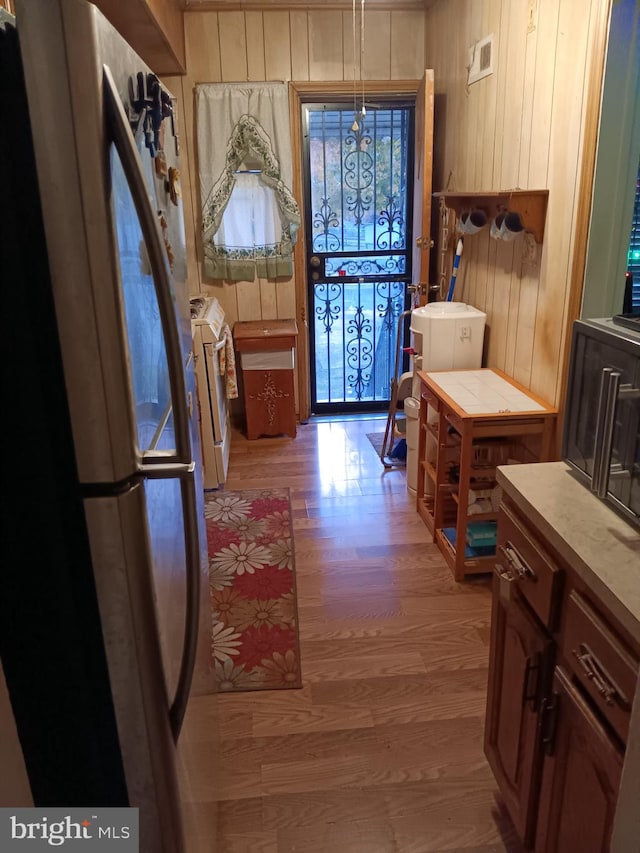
x: 104, y: 626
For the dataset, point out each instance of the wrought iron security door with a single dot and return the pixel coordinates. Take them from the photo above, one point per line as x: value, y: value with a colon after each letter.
x: 358, y: 226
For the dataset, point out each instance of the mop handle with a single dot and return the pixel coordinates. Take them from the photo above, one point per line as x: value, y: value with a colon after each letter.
x: 454, y: 271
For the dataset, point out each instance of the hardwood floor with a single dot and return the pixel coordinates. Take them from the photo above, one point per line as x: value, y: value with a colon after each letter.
x: 381, y: 750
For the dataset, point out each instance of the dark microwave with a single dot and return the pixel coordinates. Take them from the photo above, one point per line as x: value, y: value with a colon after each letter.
x: 601, y: 438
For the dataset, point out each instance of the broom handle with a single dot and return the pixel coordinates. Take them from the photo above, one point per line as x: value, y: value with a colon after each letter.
x: 454, y: 271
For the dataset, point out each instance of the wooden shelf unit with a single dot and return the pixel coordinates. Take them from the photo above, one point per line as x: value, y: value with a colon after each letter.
x: 531, y: 205
x: 457, y: 439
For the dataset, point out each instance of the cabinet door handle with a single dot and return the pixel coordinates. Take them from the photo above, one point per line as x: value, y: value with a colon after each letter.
x: 531, y: 676
x: 505, y: 582
x: 518, y: 563
x: 548, y: 723
x: 596, y: 672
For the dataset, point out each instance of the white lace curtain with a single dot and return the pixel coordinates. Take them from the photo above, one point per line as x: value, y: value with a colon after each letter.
x: 249, y: 217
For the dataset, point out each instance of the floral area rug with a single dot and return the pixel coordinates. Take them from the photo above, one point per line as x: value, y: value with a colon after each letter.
x: 255, y: 641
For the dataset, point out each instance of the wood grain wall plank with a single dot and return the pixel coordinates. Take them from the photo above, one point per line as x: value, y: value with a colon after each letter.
x: 268, y: 299
x: 277, y: 46
x: 248, y: 294
x: 351, y: 49
x: 547, y: 28
x: 407, y: 45
x: 299, y: 30
x: 376, y: 60
x: 286, y: 299
x: 202, y: 45
x: 325, y: 50
x: 514, y: 72
x: 501, y: 95
x: 564, y: 155
x: 233, y: 46
x: 526, y: 119
x: 255, y: 35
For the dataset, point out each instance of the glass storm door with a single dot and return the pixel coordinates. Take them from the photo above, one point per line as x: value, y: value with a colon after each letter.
x: 358, y: 220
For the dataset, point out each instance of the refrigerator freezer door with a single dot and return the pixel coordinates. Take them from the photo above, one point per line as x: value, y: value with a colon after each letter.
x: 133, y: 601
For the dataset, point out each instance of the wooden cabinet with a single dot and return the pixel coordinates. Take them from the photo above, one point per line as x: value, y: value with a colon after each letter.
x: 267, y: 353
x: 521, y: 660
x: 153, y: 28
x: 562, y: 672
x: 580, y: 776
x: 471, y: 421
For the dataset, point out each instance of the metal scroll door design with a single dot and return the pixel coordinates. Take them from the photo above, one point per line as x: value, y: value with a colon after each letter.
x: 358, y: 219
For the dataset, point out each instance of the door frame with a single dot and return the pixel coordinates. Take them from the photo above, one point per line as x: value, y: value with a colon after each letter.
x: 299, y: 94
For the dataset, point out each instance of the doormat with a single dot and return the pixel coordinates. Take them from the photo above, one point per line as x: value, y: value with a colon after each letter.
x: 255, y: 642
x: 398, y: 453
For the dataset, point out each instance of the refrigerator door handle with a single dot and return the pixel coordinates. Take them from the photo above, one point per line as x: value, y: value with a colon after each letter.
x: 121, y: 136
x: 190, y: 643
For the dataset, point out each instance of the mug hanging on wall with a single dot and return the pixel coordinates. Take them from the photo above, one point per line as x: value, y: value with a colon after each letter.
x: 472, y: 221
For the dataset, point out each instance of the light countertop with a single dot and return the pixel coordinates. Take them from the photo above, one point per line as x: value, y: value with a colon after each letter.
x: 600, y: 545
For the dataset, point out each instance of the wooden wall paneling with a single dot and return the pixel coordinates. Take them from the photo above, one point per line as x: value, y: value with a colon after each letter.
x: 202, y: 47
x: 547, y: 29
x: 248, y: 297
x: 277, y: 46
x: 376, y: 62
x: 350, y: 59
x: 286, y: 299
x: 499, y: 318
x: 457, y: 93
x: 526, y: 119
x: 471, y: 134
x: 515, y: 292
x: 227, y: 294
x: 407, y: 45
x: 484, y: 151
x: 540, y: 57
x: 474, y: 121
x: 487, y: 104
x: 514, y: 73
x: 513, y: 70
x: 482, y: 265
x: 501, y: 95
x: 268, y: 299
x: 233, y: 46
x: 256, y: 47
x: 565, y: 146
x: 325, y: 49
x: 529, y: 284
x: 299, y: 30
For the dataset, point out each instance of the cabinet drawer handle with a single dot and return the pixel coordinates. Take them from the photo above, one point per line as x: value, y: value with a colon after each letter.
x: 518, y: 563
x: 602, y: 681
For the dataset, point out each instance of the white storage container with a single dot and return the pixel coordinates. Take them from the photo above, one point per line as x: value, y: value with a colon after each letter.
x: 448, y: 336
